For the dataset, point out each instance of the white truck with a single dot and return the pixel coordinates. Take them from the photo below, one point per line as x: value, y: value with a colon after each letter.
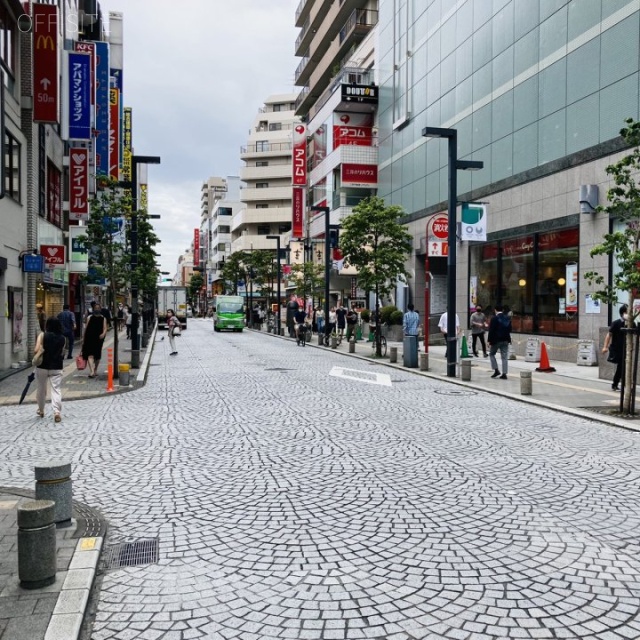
x: 172, y: 298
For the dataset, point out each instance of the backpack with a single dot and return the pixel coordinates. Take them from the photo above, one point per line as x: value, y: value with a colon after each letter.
x: 503, y: 327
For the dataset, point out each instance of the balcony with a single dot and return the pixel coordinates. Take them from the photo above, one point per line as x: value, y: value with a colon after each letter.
x: 302, y: 12
x: 272, y: 215
x: 300, y: 70
x: 359, y: 24
x: 262, y: 149
x: 273, y: 171
x: 265, y: 194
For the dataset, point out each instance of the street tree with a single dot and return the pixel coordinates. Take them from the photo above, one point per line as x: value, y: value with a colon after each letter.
x: 622, y: 244
x: 259, y: 264
x: 234, y: 271
x: 308, y: 278
x: 373, y: 240
x: 194, y: 288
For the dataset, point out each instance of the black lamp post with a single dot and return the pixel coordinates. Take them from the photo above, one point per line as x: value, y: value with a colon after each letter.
x: 327, y: 265
x: 454, y: 165
x: 133, y: 262
x: 277, y: 239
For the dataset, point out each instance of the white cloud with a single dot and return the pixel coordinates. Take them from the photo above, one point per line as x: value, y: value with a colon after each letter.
x: 196, y: 72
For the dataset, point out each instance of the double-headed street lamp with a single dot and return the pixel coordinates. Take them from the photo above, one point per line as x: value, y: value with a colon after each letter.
x: 277, y: 239
x: 454, y: 165
x: 133, y: 262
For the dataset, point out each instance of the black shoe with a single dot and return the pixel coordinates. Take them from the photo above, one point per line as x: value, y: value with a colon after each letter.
x: 503, y: 376
x: 486, y: 355
x: 475, y: 355
x: 615, y: 387
x: 495, y: 374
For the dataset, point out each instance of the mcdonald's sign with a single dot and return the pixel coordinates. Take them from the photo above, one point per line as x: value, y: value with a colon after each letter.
x: 45, y: 63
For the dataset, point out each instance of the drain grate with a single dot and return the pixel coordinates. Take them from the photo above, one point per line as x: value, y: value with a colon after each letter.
x: 131, y: 554
x: 455, y: 392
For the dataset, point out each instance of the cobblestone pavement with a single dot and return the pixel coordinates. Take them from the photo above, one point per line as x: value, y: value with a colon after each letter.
x: 300, y: 496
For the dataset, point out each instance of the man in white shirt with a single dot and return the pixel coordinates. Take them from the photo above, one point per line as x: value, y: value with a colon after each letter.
x: 442, y: 325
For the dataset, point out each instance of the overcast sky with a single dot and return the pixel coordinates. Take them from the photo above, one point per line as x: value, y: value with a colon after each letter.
x: 195, y: 74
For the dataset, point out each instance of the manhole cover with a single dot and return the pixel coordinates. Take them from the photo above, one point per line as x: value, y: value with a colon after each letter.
x: 456, y: 392
x: 131, y: 554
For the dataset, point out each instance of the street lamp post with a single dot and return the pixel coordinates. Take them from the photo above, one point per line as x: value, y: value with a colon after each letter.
x: 454, y: 165
x: 133, y: 262
x: 277, y: 239
x: 327, y: 265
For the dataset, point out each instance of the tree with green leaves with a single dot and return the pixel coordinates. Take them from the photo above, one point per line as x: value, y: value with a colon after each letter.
x: 308, y: 278
x: 194, y: 287
x: 233, y: 271
x: 624, y: 244
x: 108, y: 242
x: 373, y: 240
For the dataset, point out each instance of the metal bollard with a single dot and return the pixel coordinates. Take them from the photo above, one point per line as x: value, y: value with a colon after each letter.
x: 526, y: 383
x: 424, y: 361
x: 465, y: 370
x: 393, y: 354
x: 36, y: 544
x: 352, y: 346
x: 53, y: 482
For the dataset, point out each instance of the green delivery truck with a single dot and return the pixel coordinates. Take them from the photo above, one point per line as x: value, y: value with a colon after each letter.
x: 228, y: 313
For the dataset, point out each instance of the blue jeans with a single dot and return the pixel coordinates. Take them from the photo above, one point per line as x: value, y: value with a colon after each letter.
x: 320, y: 322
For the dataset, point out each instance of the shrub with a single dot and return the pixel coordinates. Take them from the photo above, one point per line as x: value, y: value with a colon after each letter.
x: 396, y: 317
x: 365, y: 314
x: 385, y: 313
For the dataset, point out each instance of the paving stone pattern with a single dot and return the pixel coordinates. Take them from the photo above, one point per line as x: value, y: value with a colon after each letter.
x: 293, y: 504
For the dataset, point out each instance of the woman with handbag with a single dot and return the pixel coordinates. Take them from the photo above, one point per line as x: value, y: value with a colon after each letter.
x: 48, y: 360
x: 94, y: 334
x: 173, y: 326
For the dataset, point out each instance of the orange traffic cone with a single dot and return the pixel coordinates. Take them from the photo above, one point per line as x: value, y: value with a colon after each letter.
x: 545, y: 367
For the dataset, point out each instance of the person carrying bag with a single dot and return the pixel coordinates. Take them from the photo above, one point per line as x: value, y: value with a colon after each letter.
x: 49, y: 351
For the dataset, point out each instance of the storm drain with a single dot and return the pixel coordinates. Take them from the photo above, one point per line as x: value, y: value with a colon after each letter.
x: 131, y: 554
x: 455, y: 392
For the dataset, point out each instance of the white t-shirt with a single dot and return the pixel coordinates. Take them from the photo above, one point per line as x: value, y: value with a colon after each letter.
x: 442, y: 325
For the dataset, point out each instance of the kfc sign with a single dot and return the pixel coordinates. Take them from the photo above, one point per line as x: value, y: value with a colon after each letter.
x: 53, y: 254
x: 78, y: 183
x: 300, y: 155
x: 359, y: 175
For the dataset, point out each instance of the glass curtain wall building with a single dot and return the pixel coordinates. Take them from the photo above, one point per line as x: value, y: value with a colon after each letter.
x: 538, y: 91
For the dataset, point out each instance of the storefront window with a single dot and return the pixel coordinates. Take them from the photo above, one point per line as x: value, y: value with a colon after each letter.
x: 535, y: 276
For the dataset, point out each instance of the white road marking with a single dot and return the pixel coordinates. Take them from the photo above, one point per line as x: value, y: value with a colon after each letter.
x: 362, y: 376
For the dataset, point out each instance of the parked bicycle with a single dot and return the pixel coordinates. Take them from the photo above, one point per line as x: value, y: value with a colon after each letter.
x: 383, y: 341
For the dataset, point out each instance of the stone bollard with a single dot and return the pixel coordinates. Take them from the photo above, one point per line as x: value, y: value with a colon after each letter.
x: 424, y: 361
x: 393, y: 354
x: 526, y: 383
x: 53, y: 482
x: 334, y: 342
x: 352, y: 346
x: 465, y: 370
x: 320, y: 339
x: 36, y: 544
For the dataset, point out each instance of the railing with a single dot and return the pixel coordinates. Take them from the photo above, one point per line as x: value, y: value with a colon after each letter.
x: 303, y: 33
x: 304, y: 92
x: 346, y: 75
x: 362, y: 20
x: 301, y: 66
x: 300, y: 8
x: 266, y: 147
x: 283, y: 127
x: 342, y: 200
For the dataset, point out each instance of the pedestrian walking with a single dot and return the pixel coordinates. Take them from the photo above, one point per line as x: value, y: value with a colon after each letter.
x: 94, y: 335
x: 614, y: 344
x: 333, y: 319
x: 120, y: 316
x: 51, y: 344
x: 292, y: 307
x: 443, y: 324
x: 352, y: 321
x: 341, y: 319
x: 173, y: 328
x: 478, y: 325
x: 68, y: 322
x: 42, y: 316
x: 499, y: 340
x: 320, y: 319
x: 127, y: 321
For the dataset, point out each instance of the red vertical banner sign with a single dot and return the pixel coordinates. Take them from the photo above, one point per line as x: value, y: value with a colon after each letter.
x: 45, y: 63
x: 78, y: 183
x: 299, y: 155
x: 196, y: 247
x: 114, y: 133
x: 297, y: 218
x: 54, y: 195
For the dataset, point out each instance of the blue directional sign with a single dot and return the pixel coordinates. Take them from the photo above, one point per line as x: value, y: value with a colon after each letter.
x: 79, y: 96
x: 32, y: 263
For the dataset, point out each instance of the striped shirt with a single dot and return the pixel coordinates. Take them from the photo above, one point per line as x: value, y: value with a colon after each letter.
x: 410, y: 322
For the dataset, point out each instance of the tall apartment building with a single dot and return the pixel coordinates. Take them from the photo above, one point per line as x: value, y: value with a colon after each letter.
x: 338, y: 102
x: 266, y: 193
x: 537, y: 91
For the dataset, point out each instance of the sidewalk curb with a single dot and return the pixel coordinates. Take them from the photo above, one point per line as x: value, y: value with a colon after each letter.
x: 594, y: 417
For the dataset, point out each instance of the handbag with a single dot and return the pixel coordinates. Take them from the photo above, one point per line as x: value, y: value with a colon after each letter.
x: 176, y: 331
x: 81, y: 363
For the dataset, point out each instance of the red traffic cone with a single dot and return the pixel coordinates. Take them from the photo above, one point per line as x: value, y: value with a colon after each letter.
x: 545, y: 367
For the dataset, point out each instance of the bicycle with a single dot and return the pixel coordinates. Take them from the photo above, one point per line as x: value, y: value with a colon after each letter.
x: 303, y: 334
x: 383, y: 341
